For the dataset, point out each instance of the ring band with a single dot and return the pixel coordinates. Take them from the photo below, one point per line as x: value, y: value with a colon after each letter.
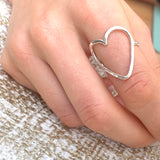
x: 113, y: 91
x: 104, y: 42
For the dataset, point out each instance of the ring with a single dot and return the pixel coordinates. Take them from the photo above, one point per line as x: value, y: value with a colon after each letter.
x: 113, y: 91
x: 104, y: 42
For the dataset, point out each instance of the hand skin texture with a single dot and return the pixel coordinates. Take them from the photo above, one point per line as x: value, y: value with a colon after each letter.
x: 47, y: 51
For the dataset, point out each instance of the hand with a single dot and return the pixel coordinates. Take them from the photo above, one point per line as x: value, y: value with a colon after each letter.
x: 47, y: 51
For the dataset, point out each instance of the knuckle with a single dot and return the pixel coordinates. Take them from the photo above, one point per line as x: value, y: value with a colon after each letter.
x: 43, y: 27
x: 38, y: 28
x: 139, y: 87
x: 71, y: 120
x: 23, y: 57
x: 22, y: 51
x: 19, y: 49
x: 92, y: 115
x: 46, y: 31
x: 16, y: 45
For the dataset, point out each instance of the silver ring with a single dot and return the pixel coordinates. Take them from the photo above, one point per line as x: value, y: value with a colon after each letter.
x: 113, y: 91
x: 104, y: 42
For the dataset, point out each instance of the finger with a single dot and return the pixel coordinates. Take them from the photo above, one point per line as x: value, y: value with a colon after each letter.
x: 49, y: 88
x: 13, y: 71
x: 86, y: 91
x: 149, y: 113
x: 143, y: 35
x: 138, y: 92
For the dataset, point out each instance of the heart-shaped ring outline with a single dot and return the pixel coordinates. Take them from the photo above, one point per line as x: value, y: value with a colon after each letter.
x: 104, y: 42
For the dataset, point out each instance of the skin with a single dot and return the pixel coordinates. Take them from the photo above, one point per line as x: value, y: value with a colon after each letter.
x: 47, y: 51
